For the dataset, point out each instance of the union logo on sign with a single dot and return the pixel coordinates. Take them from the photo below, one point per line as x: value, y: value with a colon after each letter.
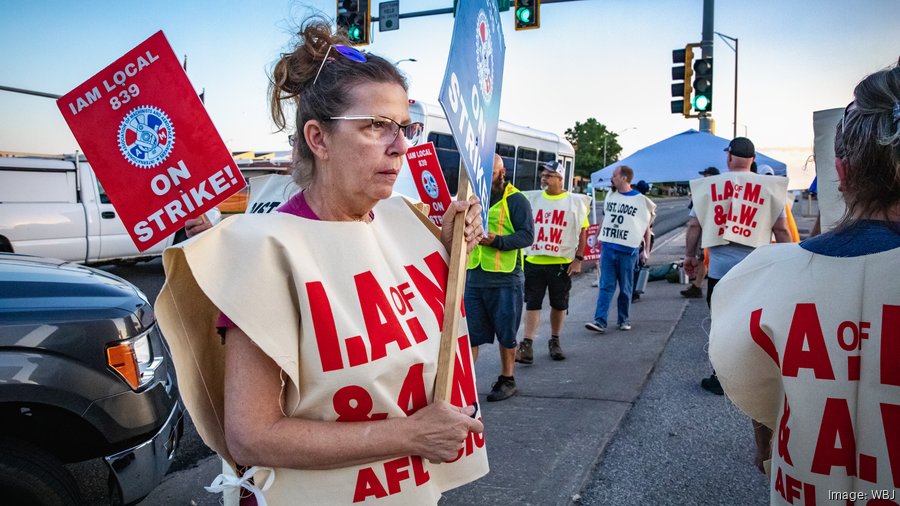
x: 484, y: 57
x: 146, y: 136
x: 430, y: 184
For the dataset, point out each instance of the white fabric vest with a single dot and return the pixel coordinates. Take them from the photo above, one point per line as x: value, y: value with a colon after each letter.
x: 351, y: 312
x: 809, y: 345
x: 739, y: 207
x: 626, y: 218
x: 270, y: 191
x: 557, y: 223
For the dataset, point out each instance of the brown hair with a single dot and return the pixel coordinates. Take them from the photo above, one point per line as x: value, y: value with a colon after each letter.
x: 626, y: 171
x: 868, y: 141
x: 293, y: 80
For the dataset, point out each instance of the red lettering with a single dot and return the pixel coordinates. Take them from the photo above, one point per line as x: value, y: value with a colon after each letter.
x: 432, y: 292
x: 415, y: 328
x: 760, y: 337
x: 747, y: 213
x: 793, y: 488
x: 751, y: 194
x: 836, y: 426
x: 539, y: 217
x: 367, y: 484
x: 890, y: 419
x: 556, y: 235
x: 854, y: 335
x: 395, y: 471
x: 382, y: 324
x: 715, y: 195
x: 890, y: 348
x: 419, y: 473
x: 728, y: 192
x: 779, y: 483
x: 806, y: 330
x: 559, y: 218
x: 784, y: 434
x: 323, y: 324
x: 412, y: 393
x: 463, y: 392
x: 541, y: 235
x: 353, y: 404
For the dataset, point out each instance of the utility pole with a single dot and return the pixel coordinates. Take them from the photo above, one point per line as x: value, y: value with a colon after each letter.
x: 706, y: 46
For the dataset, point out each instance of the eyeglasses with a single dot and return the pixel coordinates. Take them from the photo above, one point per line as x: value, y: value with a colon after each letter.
x: 292, y: 139
x: 349, y: 52
x: 844, y: 118
x: 388, y: 129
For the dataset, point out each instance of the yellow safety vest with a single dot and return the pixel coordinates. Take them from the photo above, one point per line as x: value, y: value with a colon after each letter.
x: 491, y: 259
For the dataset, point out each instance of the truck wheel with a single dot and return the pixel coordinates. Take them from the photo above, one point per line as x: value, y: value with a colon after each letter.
x: 30, y: 475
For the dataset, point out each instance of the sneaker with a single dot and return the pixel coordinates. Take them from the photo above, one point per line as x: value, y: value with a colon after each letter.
x: 525, y: 353
x: 596, y: 327
x: 693, y: 292
x: 635, y: 298
x: 503, y: 389
x: 625, y: 326
x: 555, y: 350
x: 711, y: 384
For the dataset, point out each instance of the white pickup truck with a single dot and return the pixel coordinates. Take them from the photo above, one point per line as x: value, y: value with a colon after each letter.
x: 55, y: 207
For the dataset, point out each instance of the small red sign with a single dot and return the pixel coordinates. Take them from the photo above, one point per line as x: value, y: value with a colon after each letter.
x: 150, y: 141
x: 592, y: 248
x: 429, y: 179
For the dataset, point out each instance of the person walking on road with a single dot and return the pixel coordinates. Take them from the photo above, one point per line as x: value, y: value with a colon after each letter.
x: 627, y: 216
x: 695, y: 291
x: 834, y: 402
x: 495, y: 279
x: 708, y: 206
x: 560, y: 223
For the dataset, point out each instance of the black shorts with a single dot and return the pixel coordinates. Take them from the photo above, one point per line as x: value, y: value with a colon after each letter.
x: 542, y: 278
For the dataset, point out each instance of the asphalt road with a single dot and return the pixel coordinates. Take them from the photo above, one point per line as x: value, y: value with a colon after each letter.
x: 149, y: 277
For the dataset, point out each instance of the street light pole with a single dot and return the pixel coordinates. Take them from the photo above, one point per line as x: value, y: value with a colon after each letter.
x: 606, y: 137
x: 726, y: 38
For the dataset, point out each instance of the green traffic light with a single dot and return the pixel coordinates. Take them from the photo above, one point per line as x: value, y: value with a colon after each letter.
x: 523, y: 15
x: 354, y: 33
x: 701, y: 102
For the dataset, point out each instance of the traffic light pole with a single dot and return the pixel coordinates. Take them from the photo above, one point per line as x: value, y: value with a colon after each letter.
x: 706, y: 46
x: 449, y: 10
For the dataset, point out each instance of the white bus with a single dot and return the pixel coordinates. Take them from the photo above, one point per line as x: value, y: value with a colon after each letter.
x: 522, y: 149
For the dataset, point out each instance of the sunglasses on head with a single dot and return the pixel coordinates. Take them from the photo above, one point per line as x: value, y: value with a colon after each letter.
x: 348, y: 52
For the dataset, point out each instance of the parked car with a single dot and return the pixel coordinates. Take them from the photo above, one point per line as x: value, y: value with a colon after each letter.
x: 84, y: 374
x: 55, y: 207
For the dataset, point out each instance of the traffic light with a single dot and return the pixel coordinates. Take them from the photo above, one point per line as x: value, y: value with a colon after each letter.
x: 682, y: 73
x: 528, y: 14
x: 354, y: 18
x: 703, y: 85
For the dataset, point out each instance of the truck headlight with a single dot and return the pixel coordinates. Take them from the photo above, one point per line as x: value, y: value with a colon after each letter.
x: 133, y: 360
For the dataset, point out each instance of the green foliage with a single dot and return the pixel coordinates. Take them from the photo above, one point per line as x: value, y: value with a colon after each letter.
x: 589, y: 139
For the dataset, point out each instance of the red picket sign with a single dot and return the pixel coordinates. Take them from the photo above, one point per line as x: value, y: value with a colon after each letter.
x: 592, y: 251
x: 150, y: 141
x: 429, y: 179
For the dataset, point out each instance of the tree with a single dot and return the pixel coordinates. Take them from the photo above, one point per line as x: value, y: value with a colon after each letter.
x: 589, y: 139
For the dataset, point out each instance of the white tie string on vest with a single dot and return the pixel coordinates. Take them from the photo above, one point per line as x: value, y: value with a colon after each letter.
x: 228, y: 483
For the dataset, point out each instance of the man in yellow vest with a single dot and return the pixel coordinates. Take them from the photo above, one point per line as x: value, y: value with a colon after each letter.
x: 495, y: 280
x: 560, y: 223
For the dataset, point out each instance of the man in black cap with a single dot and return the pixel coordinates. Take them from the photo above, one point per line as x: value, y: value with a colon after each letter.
x: 741, y: 155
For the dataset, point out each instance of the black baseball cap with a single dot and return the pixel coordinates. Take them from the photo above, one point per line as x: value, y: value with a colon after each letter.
x: 741, y: 147
x: 709, y: 171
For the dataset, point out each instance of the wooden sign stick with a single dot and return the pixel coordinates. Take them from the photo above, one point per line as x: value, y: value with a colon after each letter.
x: 456, y: 281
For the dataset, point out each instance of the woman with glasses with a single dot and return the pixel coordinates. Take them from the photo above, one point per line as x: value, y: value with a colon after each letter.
x: 320, y: 388
x: 806, y: 337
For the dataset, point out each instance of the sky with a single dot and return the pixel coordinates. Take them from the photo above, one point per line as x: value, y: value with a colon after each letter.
x: 606, y: 59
